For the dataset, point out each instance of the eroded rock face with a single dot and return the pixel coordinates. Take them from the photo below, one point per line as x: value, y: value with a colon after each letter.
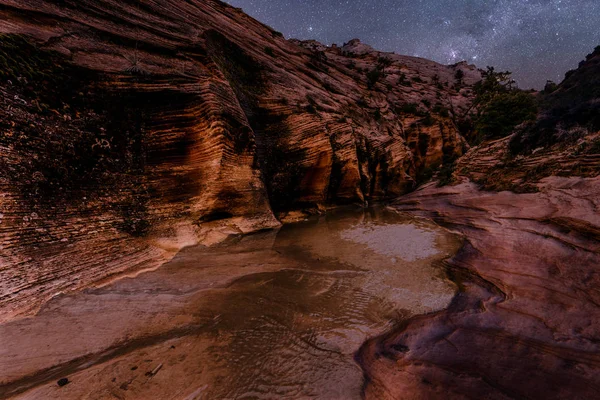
x: 564, y: 139
x: 130, y: 131
x: 525, y: 323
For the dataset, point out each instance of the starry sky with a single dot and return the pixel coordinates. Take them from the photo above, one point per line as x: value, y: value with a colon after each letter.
x: 535, y: 39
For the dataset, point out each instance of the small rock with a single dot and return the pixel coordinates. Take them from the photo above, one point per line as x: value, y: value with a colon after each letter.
x: 62, y: 382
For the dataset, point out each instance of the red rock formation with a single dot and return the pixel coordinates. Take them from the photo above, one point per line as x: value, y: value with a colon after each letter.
x: 132, y: 129
x: 564, y: 139
x: 525, y: 323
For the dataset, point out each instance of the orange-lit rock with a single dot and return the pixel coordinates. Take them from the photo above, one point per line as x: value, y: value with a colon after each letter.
x: 144, y: 127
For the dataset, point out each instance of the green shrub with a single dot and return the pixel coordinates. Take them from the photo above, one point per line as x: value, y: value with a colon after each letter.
x: 384, y: 61
x: 409, y: 108
x: 318, y: 61
x: 550, y: 87
x: 441, y: 110
x: 330, y: 88
x: 503, y: 113
x: 377, y: 114
x: 500, y: 107
x: 428, y: 120
x: 446, y: 174
x: 459, y: 76
x: 312, y: 106
x: 402, y: 79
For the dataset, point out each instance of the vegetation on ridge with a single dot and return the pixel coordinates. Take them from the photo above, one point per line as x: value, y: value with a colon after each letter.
x: 498, y: 108
x: 568, y: 112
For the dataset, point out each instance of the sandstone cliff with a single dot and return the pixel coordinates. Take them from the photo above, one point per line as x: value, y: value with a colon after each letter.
x: 525, y: 321
x: 129, y: 131
x: 564, y: 140
x: 132, y: 129
x: 524, y: 324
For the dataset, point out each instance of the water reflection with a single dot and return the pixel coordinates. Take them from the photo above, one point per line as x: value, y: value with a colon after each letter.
x: 270, y: 315
x: 353, y: 275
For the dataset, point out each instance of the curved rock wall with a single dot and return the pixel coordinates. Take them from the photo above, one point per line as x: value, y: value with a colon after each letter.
x: 131, y: 129
x: 525, y: 322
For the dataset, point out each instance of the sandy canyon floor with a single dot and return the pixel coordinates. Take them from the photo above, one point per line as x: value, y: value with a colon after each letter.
x: 448, y: 293
x: 276, y: 314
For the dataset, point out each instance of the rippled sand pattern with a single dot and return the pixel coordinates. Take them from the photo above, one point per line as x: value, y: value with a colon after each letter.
x: 271, y: 315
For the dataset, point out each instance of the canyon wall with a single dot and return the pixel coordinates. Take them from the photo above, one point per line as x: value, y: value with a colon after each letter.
x: 564, y: 139
x: 131, y: 129
x: 524, y: 323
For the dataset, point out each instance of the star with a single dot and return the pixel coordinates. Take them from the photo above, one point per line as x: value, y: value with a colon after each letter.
x: 535, y: 39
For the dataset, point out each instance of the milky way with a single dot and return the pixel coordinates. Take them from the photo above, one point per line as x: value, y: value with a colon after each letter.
x: 535, y: 39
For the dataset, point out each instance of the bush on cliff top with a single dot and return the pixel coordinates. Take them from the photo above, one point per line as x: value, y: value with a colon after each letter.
x: 499, y: 107
x: 504, y: 112
x: 570, y: 109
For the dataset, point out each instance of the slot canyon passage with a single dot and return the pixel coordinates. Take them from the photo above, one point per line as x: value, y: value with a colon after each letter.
x: 194, y: 207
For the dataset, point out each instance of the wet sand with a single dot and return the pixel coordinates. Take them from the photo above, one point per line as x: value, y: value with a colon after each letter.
x: 277, y: 314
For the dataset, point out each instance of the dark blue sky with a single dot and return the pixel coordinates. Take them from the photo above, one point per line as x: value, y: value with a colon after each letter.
x: 535, y: 39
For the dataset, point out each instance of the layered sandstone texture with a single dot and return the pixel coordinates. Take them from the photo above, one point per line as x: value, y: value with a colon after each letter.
x: 131, y: 129
x: 525, y: 323
x: 564, y: 140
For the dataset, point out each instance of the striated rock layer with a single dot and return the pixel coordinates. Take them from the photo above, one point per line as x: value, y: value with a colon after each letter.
x: 525, y: 323
x: 564, y: 140
x: 131, y: 129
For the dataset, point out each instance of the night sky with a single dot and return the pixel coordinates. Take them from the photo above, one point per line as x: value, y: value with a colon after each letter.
x: 535, y: 39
